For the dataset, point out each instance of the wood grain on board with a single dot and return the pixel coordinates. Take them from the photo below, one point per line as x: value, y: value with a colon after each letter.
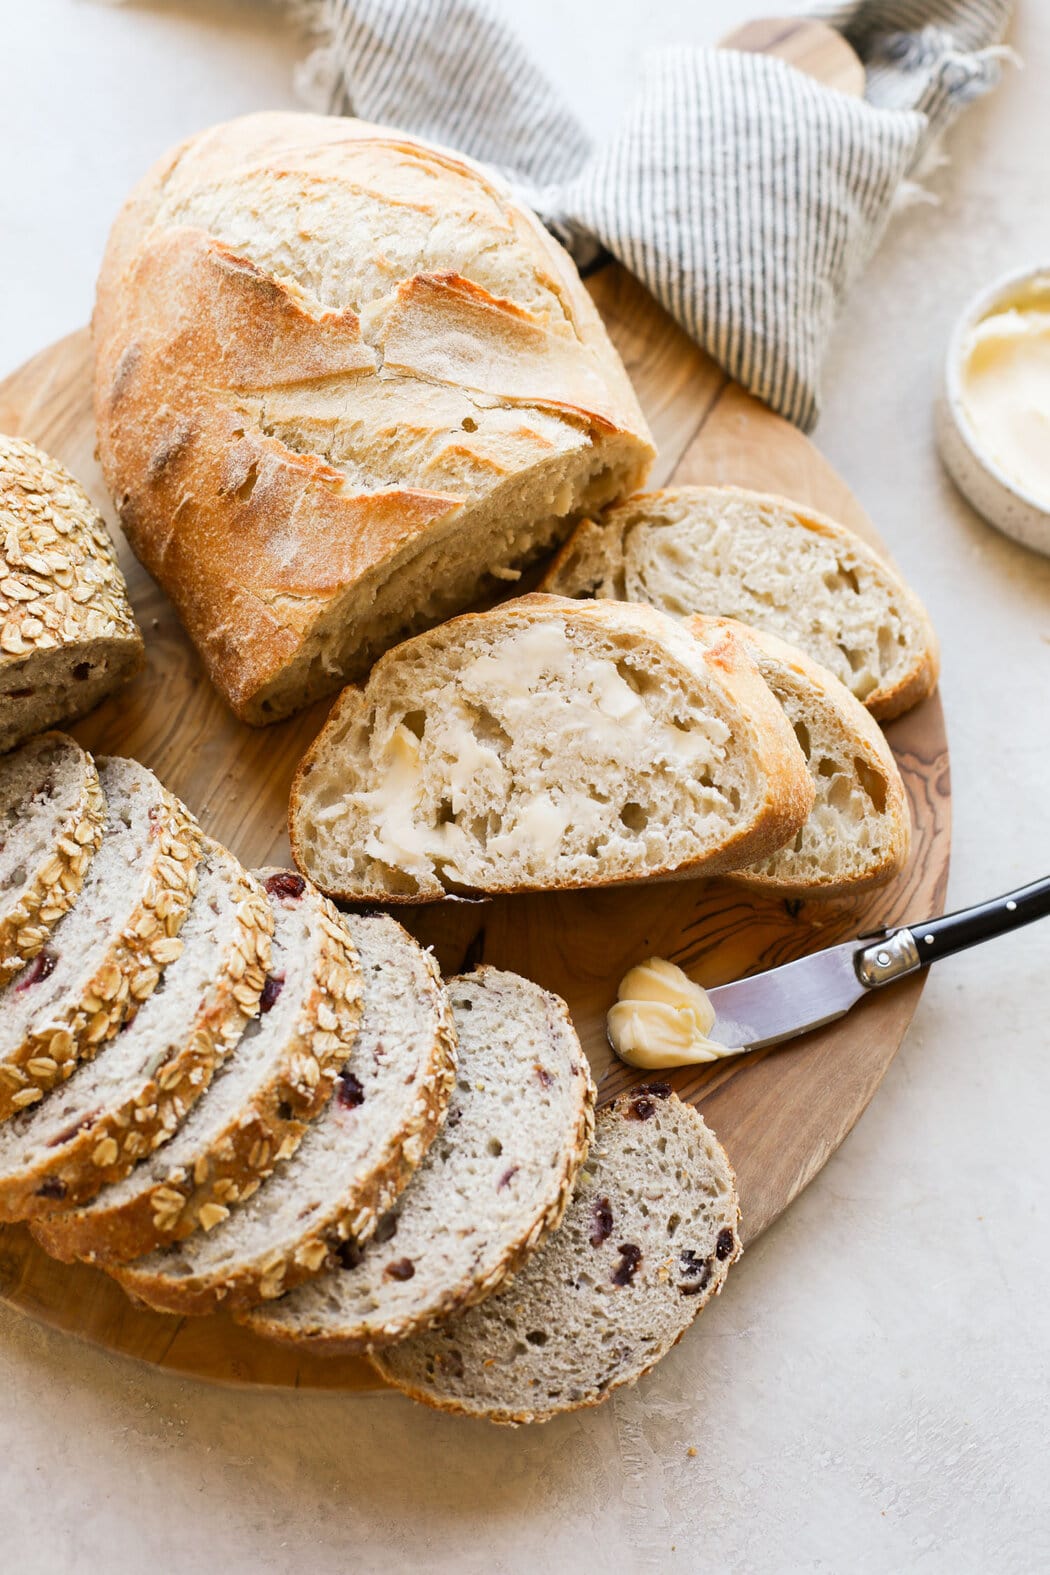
x: 780, y: 1113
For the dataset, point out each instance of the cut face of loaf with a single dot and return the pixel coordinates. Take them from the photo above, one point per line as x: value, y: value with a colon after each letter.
x: 344, y: 384
x: 774, y: 566
x: 356, y: 1155
x: 106, y: 954
x: 256, y: 1107
x: 495, y: 1180
x: 68, y: 636
x: 547, y: 744
x: 859, y: 829
x: 646, y: 1242
x: 132, y: 1096
x: 52, y: 816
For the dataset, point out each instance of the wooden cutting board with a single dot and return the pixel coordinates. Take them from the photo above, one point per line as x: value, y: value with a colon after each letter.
x: 779, y: 1113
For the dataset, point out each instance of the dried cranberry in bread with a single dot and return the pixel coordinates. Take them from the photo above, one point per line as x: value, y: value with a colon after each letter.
x: 343, y: 382
x: 255, y: 1110
x: 132, y: 1096
x: 646, y: 1242
x: 105, y: 956
x: 52, y: 817
x: 355, y: 1157
x: 68, y: 636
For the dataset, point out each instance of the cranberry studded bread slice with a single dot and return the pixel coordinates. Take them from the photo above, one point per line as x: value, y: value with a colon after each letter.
x: 52, y: 816
x: 773, y: 565
x: 859, y: 829
x: 495, y: 1180
x: 68, y: 636
x: 326, y: 1199
x: 646, y: 1242
x: 132, y: 1096
x: 255, y: 1110
x: 105, y: 956
x: 547, y: 744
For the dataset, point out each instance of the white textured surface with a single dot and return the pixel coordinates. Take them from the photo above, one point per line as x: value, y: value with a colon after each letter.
x: 870, y: 1395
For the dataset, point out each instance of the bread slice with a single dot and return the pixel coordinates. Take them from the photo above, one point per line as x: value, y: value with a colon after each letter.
x: 68, y: 636
x: 355, y: 1157
x: 494, y: 1181
x: 133, y: 1095
x: 859, y: 830
x: 105, y: 956
x: 773, y: 565
x: 258, y: 1103
x: 647, y: 1241
x: 52, y: 816
x: 547, y: 744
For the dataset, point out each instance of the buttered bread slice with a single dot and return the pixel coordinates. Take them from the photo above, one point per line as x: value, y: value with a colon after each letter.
x: 52, y: 817
x: 859, y: 829
x: 547, y: 744
x: 105, y: 956
x: 495, y: 1180
x: 771, y: 564
x: 646, y: 1242
x: 326, y: 1199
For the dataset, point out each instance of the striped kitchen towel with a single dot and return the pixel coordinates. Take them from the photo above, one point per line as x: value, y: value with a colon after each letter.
x: 745, y: 195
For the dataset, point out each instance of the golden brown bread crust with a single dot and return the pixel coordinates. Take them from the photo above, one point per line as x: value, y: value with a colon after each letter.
x: 761, y: 723
x: 256, y: 536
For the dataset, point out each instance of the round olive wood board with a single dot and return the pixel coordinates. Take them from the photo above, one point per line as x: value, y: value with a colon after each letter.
x: 779, y: 1113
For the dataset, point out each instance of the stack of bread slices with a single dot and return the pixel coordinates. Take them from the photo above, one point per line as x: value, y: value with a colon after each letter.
x: 228, y: 1096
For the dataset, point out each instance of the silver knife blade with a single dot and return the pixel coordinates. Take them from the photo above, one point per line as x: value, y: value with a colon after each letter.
x: 782, y: 1002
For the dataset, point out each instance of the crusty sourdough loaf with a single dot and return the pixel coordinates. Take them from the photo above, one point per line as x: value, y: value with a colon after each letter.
x: 547, y: 743
x: 324, y: 1200
x: 859, y: 829
x: 646, y: 1242
x: 68, y: 635
x: 256, y: 1107
x: 133, y: 1095
x: 52, y: 817
x: 105, y: 956
x: 495, y: 1180
x: 773, y: 565
x: 343, y: 382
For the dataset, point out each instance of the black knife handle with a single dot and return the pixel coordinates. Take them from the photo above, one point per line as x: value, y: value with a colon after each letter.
x: 954, y: 932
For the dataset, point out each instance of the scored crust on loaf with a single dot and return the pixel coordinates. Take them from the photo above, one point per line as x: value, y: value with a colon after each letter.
x: 547, y: 744
x: 52, y: 816
x: 68, y: 635
x: 355, y: 1157
x: 773, y: 565
x: 344, y: 383
x: 256, y: 1107
x: 133, y: 1095
x: 495, y: 1180
x: 105, y: 956
x: 859, y: 829
x: 646, y: 1242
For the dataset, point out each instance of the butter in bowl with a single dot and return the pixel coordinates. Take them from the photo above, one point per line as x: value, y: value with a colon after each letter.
x: 993, y: 420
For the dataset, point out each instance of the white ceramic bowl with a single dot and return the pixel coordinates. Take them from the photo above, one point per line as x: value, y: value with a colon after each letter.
x: 1002, y: 502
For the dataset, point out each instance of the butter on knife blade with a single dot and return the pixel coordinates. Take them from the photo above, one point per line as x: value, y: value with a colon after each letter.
x: 662, y: 1019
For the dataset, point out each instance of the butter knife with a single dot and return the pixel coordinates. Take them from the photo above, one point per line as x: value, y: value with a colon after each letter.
x: 766, y: 1008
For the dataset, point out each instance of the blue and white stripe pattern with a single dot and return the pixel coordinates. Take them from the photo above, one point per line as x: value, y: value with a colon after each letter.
x: 746, y: 196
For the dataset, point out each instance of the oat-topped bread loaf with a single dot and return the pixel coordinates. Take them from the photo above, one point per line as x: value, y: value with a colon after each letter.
x: 256, y: 1107
x: 324, y: 1200
x: 495, y: 1180
x: 52, y: 817
x: 547, y: 743
x: 646, y: 1242
x: 132, y: 1096
x: 771, y: 564
x: 859, y: 829
x: 105, y: 956
x: 68, y: 635
x: 343, y: 383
